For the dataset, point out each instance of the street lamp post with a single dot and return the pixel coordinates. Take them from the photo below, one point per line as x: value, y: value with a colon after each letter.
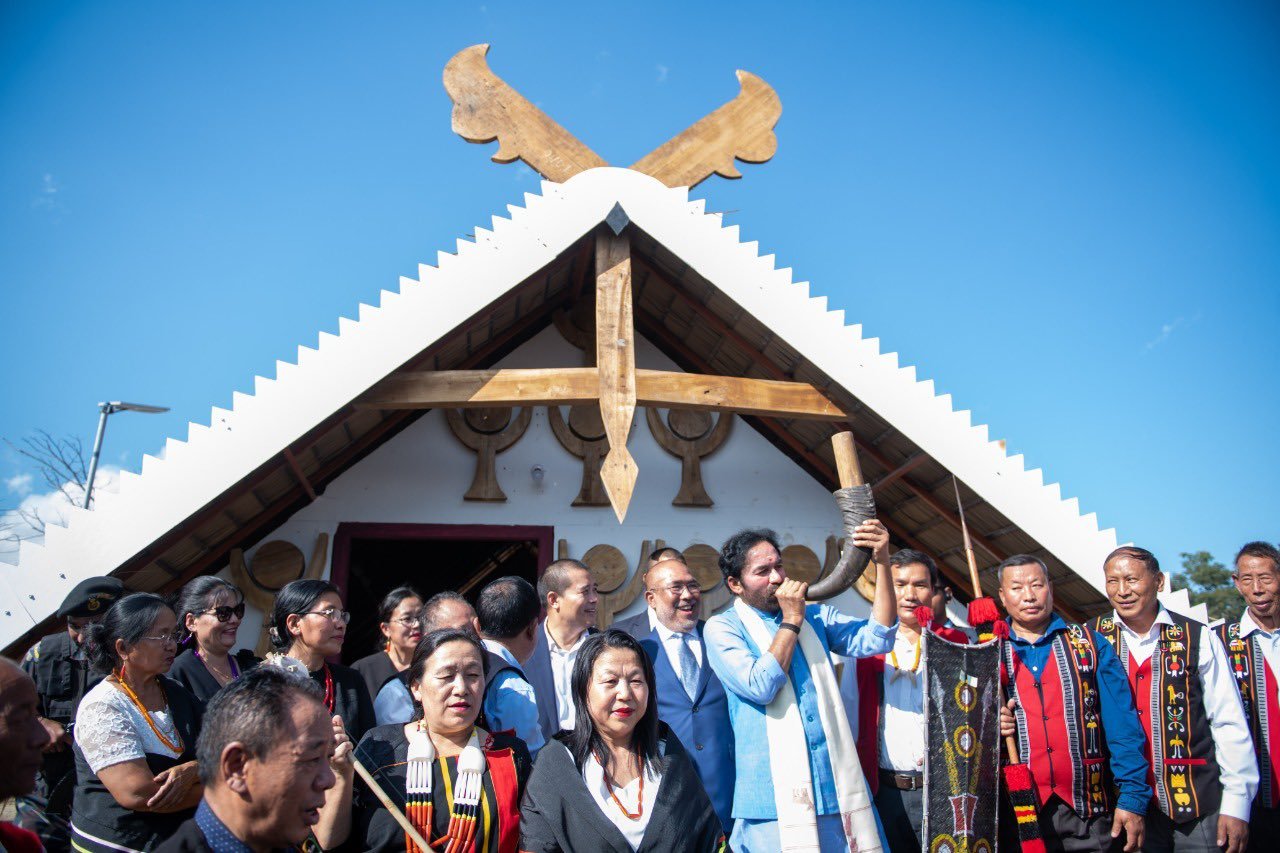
x: 106, y: 409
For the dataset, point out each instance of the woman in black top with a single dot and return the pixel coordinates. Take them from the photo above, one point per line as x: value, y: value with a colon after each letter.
x: 446, y: 753
x: 135, y: 739
x: 308, y: 624
x: 400, y: 619
x: 209, y: 612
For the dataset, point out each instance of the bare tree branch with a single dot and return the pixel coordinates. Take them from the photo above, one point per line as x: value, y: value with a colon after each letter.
x: 61, y: 465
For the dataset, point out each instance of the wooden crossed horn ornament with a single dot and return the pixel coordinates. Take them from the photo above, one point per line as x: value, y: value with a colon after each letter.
x: 487, y: 431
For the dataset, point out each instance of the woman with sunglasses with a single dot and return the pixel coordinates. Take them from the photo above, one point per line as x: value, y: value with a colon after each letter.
x: 209, y: 613
x: 400, y: 620
x: 135, y: 735
x: 308, y: 623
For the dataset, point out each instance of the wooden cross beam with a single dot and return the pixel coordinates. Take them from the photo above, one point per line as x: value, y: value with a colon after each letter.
x: 614, y: 383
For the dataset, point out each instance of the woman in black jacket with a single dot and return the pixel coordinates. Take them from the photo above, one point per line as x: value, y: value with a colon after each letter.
x: 209, y: 612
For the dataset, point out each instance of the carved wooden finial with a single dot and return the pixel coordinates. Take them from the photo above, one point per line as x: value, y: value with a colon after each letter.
x: 486, y: 108
x: 689, y: 435
x: 487, y: 431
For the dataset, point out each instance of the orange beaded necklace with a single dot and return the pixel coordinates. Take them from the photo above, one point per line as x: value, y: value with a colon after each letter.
x: 639, y: 797
x: 146, y: 715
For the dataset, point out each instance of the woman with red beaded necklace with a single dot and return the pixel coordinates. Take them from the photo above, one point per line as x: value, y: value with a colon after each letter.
x: 209, y: 612
x: 308, y: 623
x: 135, y: 738
x: 621, y: 780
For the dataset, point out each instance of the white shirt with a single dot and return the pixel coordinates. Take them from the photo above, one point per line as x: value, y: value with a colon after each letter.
x: 562, y: 674
x: 671, y: 643
x: 1268, y: 641
x: 111, y: 730
x: 902, y: 710
x: 653, y: 618
x: 1232, y: 741
x: 632, y: 830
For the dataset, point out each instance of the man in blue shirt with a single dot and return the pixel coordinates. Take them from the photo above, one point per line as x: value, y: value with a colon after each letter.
x: 772, y: 646
x: 1073, y: 715
x: 508, y: 610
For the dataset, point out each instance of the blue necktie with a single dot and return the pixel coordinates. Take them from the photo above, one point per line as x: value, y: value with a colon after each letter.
x: 688, y: 667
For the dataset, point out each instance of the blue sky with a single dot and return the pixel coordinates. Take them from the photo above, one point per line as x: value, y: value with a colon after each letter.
x: 1067, y: 215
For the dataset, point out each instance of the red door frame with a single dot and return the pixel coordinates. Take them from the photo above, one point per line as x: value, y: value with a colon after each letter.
x: 348, y: 530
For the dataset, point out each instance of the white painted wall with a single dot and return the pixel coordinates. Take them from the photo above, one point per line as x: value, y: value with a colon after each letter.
x: 420, y: 475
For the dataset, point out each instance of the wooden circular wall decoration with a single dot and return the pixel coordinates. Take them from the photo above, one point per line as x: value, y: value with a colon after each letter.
x: 608, y: 566
x: 275, y: 564
x: 704, y: 564
x: 801, y: 563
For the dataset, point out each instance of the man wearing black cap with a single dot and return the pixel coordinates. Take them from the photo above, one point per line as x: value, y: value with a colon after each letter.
x: 61, y: 671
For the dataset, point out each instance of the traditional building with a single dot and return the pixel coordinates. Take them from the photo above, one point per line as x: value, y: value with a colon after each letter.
x: 382, y: 456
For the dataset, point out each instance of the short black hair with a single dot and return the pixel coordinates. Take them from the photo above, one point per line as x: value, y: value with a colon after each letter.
x: 1133, y: 552
x: 1264, y: 550
x: 253, y: 709
x: 910, y: 556
x: 431, y: 610
x: 428, y: 647
x: 1021, y: 560
x: 506, y: 607
x: 199, y: 595
x: 657, y: 554
x: 297, y: 597
x: 129, y: 619
x: 556, y: 577
x: 733, y: 555
x: 584, y: 740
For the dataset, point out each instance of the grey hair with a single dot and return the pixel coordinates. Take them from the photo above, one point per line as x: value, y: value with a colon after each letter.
x: 431, y: 610
x: 252, y: 710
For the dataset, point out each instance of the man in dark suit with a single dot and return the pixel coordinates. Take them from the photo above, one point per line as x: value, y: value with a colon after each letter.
x: 691, y: 699
x: 267, y: 755
x: 568, y: 591
x: 645, y: 621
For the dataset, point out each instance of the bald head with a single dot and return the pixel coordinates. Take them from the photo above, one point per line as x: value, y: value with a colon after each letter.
x: 674, y: 594
x: 22, y: 737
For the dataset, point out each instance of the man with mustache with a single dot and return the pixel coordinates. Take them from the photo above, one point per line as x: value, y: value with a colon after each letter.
x: 798, y: 781
x: 1253, y: 651
x: 267, y: 755
x: 60, y: 668
x: 691, y: 699
x: 568, y: 591
x: 1198, y: 744
x: 22, y: 741
x: 888, y: 693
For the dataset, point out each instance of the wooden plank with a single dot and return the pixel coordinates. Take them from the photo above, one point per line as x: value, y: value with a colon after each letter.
x: 576, y: 385
x: 296, y: 468
x: 616, y: 363
x: 485, y: 108
x: 742, y: 129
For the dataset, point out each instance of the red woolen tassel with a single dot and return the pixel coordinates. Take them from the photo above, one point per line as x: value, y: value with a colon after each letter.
x: 1000, y: 628
x: 983, y: 611
x: 1022, y: 796
x: 924, y: 615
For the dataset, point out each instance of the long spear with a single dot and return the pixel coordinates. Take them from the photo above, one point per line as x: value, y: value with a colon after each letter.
x: 985, y: 618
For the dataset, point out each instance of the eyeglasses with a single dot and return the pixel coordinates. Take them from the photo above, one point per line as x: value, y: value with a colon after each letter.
x: 342, y: 617
x: 224, y: 612
x: 409, y: 621
x: 174, y: 637
x: 678, y: 589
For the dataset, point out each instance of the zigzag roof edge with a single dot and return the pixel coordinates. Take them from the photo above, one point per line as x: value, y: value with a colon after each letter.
x: 342, y: 366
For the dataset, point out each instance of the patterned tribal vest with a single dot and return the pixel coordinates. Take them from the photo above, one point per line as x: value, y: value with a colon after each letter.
x: 1060, y: 724
x: 1170, y: 700
x: 1255, y: 679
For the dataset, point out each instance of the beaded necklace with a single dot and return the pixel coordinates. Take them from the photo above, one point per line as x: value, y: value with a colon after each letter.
x: 468, y: 791
x: 231, y: 662
x: 328, y: 688
x: 900, y: 673
x: 146, y: 715
x: 639, y: 797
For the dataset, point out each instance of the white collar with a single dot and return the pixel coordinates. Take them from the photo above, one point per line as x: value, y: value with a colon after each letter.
x: 1248, y: 626
x: 502, y: 651
x: 666, y: 633
x: 1162, y: 618
x: 554, y: 647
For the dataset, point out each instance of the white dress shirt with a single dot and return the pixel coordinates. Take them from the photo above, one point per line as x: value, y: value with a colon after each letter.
x: 1232, y: 741
x: 562, y: 674
x: 671, y: 645
x: 1268, y: 641
x: 902, y: 711
x: 653, y: 618
x: 632, y: 830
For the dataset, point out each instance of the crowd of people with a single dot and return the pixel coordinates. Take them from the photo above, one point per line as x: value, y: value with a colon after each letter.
x: 515, y: 725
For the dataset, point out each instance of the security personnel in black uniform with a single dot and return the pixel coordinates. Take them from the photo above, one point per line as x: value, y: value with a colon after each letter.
x: 60, y: 669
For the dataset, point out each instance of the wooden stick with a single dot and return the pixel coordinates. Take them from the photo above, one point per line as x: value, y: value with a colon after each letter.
x: 968, y: 544
x: 850, y: 472
x: 391, y: 807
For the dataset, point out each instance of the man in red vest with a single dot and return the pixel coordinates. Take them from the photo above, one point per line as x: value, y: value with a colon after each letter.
x: 890, y: 700
x: 1203, y: 771
x: 1072, y: 713
x: 1253, y: 653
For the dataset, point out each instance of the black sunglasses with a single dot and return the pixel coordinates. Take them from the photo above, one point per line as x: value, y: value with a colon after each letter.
x: 225, y: 612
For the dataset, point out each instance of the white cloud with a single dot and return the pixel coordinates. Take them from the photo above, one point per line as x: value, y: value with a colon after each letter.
x: 47, y: 197
x: 1167, y: 330
x: 19, y: 484
x: 662, y: 73
x: 24, y: 522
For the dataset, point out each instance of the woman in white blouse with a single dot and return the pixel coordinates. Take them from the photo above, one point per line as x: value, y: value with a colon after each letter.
x: 135, y: 734
x: 620, y: 781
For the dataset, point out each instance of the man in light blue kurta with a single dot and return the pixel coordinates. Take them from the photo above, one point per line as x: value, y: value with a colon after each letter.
x: 752, y: 565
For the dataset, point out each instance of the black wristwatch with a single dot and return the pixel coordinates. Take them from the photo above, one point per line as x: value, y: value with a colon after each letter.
x: 790, y: 626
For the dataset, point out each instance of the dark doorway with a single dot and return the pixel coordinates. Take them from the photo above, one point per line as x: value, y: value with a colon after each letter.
x: 369, y: 560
